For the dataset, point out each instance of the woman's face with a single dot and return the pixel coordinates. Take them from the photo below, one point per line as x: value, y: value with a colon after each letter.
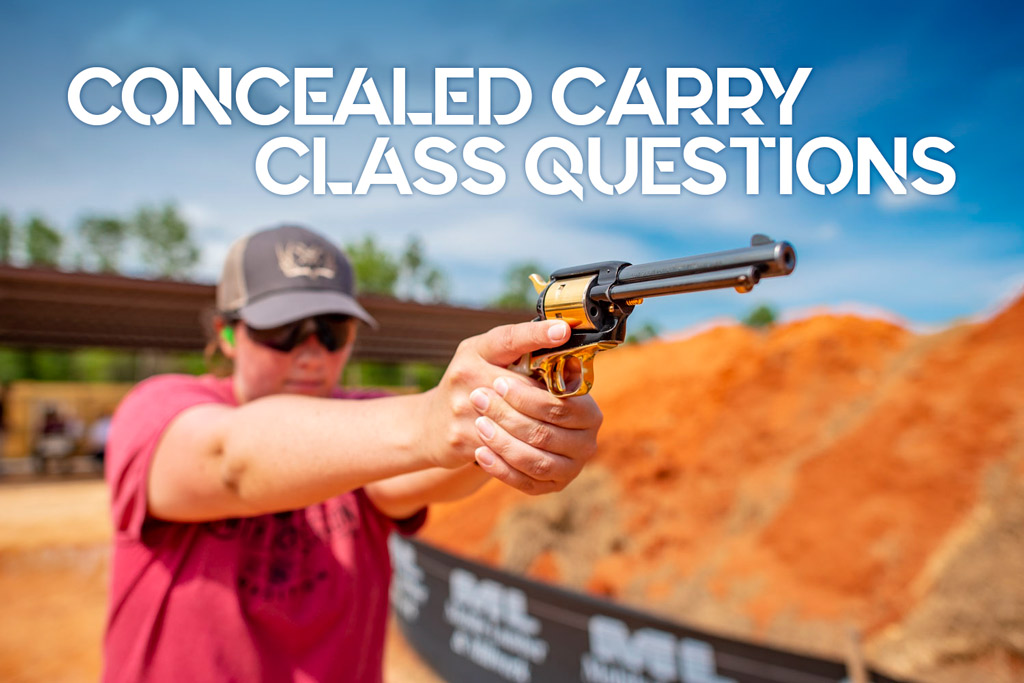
x: 308, y: 369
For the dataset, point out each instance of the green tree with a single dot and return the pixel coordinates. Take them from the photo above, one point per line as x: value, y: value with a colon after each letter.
x: 14, y: 364
x: 104, y: 238
x: 376, y: 270
x: 421, y: 279
x: 102, y: 365
x: 49, y: 365
x: 6, y: 237
x: 643, y: 333
x: 165, y: 241
x: 436, y: 285
x: 43, y: 243
x: 518, y: 291
x: 762, y: 316
x: 413, y: 260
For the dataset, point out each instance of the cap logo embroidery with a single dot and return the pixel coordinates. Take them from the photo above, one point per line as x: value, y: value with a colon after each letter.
x: 296, y: 259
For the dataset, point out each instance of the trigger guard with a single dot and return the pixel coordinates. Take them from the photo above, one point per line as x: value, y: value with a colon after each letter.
x: 560, y: 375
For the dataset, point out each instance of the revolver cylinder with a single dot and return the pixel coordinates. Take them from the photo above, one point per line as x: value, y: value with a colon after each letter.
x: 568, y: 300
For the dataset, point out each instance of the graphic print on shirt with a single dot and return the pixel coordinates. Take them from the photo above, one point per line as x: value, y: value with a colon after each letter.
x: 287, y: 554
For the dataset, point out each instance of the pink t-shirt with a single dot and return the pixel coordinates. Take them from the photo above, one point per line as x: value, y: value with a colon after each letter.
x: 292, y: 596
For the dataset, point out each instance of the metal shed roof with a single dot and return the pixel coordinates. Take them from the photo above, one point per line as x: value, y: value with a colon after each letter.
x: 51, y: 308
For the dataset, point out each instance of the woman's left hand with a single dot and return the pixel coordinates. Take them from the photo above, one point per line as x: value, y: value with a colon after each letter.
x: 534, y: 441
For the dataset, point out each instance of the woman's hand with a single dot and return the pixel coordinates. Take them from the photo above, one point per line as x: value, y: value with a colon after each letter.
x: 511, y: 426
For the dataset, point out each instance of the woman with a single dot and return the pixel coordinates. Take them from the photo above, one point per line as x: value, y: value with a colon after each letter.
x: 251, y: 512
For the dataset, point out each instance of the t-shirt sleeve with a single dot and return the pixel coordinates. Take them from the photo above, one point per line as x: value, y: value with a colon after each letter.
x: 135, y: 431
x: 410, y: 525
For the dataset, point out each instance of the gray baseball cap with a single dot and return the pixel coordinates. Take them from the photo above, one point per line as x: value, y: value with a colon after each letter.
x: 277, y: 276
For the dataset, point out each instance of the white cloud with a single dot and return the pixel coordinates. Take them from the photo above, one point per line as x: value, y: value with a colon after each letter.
x: 887, y: 201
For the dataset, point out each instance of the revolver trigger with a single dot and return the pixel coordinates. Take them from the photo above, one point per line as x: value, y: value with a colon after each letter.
x: 566, y: 373
x: 571, y: 374
x: 559, y: 376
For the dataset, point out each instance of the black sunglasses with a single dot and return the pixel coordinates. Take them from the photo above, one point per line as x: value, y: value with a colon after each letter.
x: 332, y: 331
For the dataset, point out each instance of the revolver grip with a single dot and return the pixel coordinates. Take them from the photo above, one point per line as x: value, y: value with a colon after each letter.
x: 565, y: 373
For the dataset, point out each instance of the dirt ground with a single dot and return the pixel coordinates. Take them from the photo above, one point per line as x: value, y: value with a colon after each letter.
x: 53, y: 583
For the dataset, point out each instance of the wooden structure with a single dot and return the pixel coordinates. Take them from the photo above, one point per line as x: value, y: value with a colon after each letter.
x: 49, y: 308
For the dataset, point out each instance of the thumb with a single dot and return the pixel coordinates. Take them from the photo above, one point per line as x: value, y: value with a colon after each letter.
x: 506, y: 344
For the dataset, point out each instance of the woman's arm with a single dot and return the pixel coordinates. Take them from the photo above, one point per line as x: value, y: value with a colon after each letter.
x: 279, y: 453
x: 402, y: 496
x: 285, y: 452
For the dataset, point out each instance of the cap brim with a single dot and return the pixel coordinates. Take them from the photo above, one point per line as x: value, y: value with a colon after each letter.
x: 287, y: 307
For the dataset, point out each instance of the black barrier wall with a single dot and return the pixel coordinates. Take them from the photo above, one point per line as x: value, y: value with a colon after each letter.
x: 474, y: 624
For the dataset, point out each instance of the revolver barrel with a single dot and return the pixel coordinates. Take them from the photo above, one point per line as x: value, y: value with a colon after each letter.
x: 771, y: 259
x: 743, y: 279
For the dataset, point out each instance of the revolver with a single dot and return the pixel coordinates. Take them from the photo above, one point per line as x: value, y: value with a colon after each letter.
x: 596, y: 298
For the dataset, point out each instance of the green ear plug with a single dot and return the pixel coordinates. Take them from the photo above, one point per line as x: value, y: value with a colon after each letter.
x: 228, y: 333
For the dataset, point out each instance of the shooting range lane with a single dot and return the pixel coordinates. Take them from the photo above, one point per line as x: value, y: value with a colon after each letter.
x: 788, y: 484
x: 777, y: 485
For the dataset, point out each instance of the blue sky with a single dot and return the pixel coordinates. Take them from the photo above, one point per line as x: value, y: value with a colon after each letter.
x: 879, y: 71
